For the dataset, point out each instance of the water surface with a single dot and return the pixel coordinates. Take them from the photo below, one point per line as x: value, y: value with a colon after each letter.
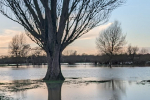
x: 83, y: 82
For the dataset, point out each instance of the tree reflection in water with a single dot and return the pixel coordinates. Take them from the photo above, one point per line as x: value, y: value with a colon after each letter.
x: 54, y: 90
x: 29, y: 89
x: 117, y: 88
x: 18, y: 89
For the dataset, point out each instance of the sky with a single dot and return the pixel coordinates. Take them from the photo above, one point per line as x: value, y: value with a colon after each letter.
x: 134, y: 17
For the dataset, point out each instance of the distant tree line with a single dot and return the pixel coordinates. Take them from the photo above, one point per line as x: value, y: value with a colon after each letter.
x: 127, y: 58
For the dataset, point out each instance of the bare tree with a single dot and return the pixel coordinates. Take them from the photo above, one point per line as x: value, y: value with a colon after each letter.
x: 143, y: 51
x: 70, y: 53
x: 132, y: 51
x: 111, y: 40
x: 37, y: 51
x: 18, y: 46
x: 54, y: 24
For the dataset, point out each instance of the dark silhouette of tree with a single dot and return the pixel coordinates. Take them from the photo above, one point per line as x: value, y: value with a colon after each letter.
x: 132, y: 52
x: 111, y: 40
x: 143, y: 51
x: 54, y: 24
x: 70, y: 53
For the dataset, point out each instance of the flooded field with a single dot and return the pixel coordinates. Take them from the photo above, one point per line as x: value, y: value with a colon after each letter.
x: 83, y: 82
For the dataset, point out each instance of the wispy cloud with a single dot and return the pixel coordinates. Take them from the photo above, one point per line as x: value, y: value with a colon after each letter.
x: 9, y: 32
x: 6, y: 36
x: 95, y: 32
x: 3, y: 47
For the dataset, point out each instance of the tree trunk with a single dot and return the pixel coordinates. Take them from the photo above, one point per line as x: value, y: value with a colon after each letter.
x: 54, y: 67
x: 17, y: 65
x: 110, y: 61
x: 110, y: 64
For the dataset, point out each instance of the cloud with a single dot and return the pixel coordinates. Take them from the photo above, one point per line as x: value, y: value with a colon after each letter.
x: 94, y: 32
x: 9, y: 32
x: 6, y: 36
x: 3, y: 47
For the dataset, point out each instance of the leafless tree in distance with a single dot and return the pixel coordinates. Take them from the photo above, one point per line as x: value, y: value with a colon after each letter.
x: 111, y: 40
x: 18, y: 46
x: 143, y: 51
x: 54, y: 24
x: 69, y: 53
x: 132, y: 51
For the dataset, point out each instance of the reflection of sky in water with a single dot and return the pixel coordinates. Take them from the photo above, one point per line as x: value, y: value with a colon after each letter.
x: 82, y: 71
x: 82, y: 90
x: 121, y: 83
x: 94, y: 91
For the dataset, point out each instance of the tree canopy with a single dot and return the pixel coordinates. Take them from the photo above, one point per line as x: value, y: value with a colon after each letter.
x: 61, y: 20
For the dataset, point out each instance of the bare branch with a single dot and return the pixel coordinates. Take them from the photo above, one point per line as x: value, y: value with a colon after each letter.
x: 51, y: 22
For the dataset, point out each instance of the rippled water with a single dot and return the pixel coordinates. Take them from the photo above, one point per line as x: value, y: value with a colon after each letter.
x: 83, y: 82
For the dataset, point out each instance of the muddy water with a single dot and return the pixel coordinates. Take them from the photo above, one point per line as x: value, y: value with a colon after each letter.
x: 83, y: 82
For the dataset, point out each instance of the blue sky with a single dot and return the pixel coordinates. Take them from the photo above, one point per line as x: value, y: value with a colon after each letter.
x: 134, y: 17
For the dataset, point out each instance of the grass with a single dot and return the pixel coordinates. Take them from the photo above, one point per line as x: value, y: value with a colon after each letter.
x: 20, y: 85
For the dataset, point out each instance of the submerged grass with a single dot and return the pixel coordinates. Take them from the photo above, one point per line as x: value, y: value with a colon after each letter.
x: 54, y: 81
x: 24, y: 85
x: 143, y: 82
x: 20, y: 85
x: 101, y: 81
x: 84, y: 81
x: 3, y: 97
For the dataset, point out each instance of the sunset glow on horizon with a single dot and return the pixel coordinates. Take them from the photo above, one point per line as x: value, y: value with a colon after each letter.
x: 133, y: 16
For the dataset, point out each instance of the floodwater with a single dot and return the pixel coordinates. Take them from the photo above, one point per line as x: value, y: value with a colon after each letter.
x: 83, y: 82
